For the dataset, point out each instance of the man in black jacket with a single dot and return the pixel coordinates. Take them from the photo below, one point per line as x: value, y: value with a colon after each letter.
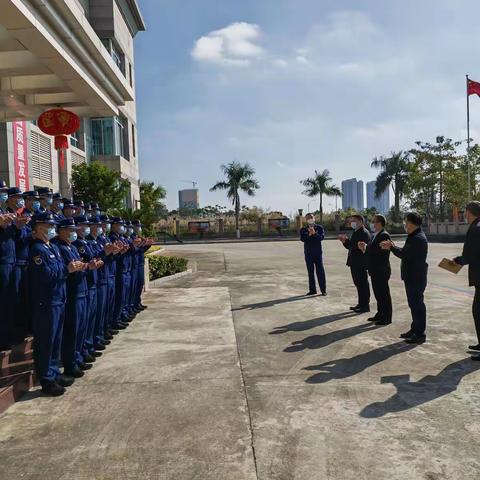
x: 378, y: 264
x: 471, y: 257
x: 312, y: 236
x: 357, y: 262
x: 414, y: 269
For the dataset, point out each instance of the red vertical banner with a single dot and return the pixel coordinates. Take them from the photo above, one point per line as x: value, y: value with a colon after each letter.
x: 20, y: 154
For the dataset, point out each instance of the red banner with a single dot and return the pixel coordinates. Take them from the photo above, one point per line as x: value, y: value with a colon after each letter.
x: 20, y: 155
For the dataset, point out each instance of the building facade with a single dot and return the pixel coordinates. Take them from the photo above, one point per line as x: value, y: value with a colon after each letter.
x: 352, y: 195
x: 381, y: 204
x: 77, y: 55
x: 189, y: 198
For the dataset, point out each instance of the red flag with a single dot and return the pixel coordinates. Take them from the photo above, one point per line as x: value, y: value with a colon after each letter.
x: 473, y: 88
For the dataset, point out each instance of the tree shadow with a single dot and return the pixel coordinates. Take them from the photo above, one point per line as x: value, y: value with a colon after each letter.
x: 309, y: 324
x: 319, y: 341
x: 413, y: 394
x: 271, y: 303
x: 348, y: 367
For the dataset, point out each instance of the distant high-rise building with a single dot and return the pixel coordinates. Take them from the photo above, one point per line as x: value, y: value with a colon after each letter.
x: 353, y: 196
x: 382, y: 204
x: 189, y: 198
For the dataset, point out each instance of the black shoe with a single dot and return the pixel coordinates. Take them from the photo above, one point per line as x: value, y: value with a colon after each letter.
x: 408, y: 334
x: 106, y: 342
x: 97, y: 354
x: 475, y: 358
x: 89, y: 358
x: 416, y: 339
x: 143, y: 307
x: 85, y: 366
x: 100, y: 347
x: 112, y: 332
x: 107, y: 336
x: 362, y: 310
x: 374, y: 319
x: 65, y: 380
x: 310, y: 293
x: 323, y: 294
x: 474, y: 347
x: 77, y: 372
x: 53, y: 389
x: 355, y: 307
x: 121, y: 326
x: 383, y: 321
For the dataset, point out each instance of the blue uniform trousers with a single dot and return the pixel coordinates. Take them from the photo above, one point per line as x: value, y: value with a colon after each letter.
x: 23, y: 319
x: 415, y: 295
x: 75, y: 317
x: 91, y: 318
x: 121, y: 297
x: 109, y: 317
x: 133, y: 287
x: 6, y: 296
x: 47, y: 329
x: 140, y: 285
x: 314, y: 263
x: 102, y: 299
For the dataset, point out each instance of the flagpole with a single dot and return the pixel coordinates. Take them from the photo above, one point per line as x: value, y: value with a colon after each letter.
x: 468, y: 145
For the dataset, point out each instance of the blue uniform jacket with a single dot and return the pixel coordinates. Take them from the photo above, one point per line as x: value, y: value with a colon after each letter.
x: 414, y: 265
x: 86, y: 253
x: 76, y: 281
x: 8, y: 236
x: 312, y: 244
x: 109, y: 260
x: 98, y: 252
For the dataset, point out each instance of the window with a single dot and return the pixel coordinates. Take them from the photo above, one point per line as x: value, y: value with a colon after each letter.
x: 116, y: 53
x: 74, y: 142
x: 41, y: 151
x: 130, y: 72
x: 110, y: 136
x: 134, y: 147
x: 77, y: 159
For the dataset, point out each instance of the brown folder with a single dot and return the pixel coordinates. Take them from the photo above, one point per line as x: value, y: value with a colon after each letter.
x: 450, y: 265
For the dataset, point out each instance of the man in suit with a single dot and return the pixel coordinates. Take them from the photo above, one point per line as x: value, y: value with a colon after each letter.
x: 312, y: 236
x: 414, y: 269
x: 378, y: 264
x: 357, y: 262
x: 471, y: 257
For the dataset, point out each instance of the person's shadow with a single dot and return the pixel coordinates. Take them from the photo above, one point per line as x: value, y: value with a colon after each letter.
x: 413, y: 394
x: 319, y: 341
x: 348, y: 367
x: 271, y: 303
x: 308, y: 324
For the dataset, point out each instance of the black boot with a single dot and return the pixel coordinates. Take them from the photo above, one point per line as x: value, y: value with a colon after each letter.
x: 53, y: 389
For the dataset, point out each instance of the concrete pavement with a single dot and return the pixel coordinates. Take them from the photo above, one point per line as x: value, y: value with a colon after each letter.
x: 232, y: 374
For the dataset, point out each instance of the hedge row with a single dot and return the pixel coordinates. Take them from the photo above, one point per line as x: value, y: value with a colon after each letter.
x: 164, y: 266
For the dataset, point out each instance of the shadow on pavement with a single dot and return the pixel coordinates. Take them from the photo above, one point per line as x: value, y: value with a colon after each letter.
x: 308, y: 324
x: 348, y: 367
x: 271, y: 303
x: 413, y: 394
x: 320, y: 341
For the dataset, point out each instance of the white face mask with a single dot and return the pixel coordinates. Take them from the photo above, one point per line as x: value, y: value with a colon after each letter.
x: 311, y: 221
x: 354, y: 225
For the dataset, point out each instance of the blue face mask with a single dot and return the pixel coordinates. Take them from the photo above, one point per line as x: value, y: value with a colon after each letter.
x: 3, y: 197
x: 72, y: 236
x: 130, y: 231
x: 122, y: 230
x: 86, y: 231
x: 36, y: 205
x: 51, y: 233
x: 20, y: 203
x: 97, y: 212
x: 49, y: 201
x: 82, y: 211
x: 60, y: 206
x: 108, y: 227
x: 99, y: 231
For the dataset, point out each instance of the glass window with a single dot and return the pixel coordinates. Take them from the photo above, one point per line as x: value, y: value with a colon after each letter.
x: 109, y: 136
x: 74, y: 141
x: 134, y: 147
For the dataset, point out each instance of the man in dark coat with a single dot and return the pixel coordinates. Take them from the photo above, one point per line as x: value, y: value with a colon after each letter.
x: 312, y: 236
x: 414, y: 269
x: 378, y: 264
x: 471, y: 257
x: 357, y: 262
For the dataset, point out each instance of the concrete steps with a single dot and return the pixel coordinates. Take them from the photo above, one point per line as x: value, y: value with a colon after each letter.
x: 16, y: 373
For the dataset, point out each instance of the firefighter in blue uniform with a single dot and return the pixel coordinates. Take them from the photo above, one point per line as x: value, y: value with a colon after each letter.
x: 21, y: 312
x: 32, y: 201
x: 141, y: 250
x: 68, y: 208
x: 133, y: 268
x: 76, y: 306
x: 46, y: 199
x: 79, y: 208
x: 86, y: 345
x: 57, y: 207
x: 48, y: 274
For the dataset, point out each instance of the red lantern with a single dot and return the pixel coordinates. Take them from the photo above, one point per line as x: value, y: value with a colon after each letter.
x: 59, y: 122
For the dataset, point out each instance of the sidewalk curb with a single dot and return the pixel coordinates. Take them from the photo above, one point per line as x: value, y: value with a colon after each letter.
x: 191, y: 268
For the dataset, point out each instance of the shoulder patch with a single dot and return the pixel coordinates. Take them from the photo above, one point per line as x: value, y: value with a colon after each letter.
x: 38, y: 260
x: 81, y: 249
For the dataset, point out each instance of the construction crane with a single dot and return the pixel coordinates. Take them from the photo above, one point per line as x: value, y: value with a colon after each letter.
x: 194, y: 184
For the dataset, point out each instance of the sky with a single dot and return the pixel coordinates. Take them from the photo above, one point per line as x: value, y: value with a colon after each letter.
x: 294, y: 86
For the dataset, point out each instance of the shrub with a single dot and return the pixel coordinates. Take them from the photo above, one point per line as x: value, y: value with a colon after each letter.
x: 165, y: 266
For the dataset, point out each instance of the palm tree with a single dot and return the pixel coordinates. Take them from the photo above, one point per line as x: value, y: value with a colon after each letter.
x: 320, y: 185
x: 394, y: 172
x: 238, y: 178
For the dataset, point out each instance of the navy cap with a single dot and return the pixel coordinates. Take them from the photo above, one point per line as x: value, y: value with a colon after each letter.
x: 43, y: 217
x: 68, y: 203
x: 105, y: 218
x: 79, y: 203
x: 94, y: 206
x: 44, y: 191
x: 57, y: 196
x: 95, y: 220
x: 13, y: 191
x: 31, y: 194
x: 136, y: 223
x: 82, y: 220
x: 118, y: 220
x: 67, y: 223
x: 3, y: 184
x: 128, y: 223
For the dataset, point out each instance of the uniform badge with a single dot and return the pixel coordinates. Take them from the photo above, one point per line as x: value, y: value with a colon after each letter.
x: 38, y: 260
x: 81, y: 249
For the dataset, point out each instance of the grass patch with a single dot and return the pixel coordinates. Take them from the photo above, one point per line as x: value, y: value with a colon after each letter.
x: 153, y: 249
x: 164, y: 266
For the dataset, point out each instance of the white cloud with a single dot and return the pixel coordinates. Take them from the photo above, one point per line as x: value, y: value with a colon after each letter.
x: 234, y: 45
x: 301, y: 59
x: 280, y: 63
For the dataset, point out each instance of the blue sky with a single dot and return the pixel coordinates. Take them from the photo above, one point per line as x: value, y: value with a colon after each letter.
x: 296, y: 85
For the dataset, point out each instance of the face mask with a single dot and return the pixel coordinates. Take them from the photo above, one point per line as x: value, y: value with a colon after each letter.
x: 86, y: 231
x: 108, y: 227
x: 122, y: 230
x: 60, y: 206
x: 354, y: 225
x: 49, y: 201
x: 72, y: 236
x: 3, y: 197
x: 97, y: 212
x: 311, y: 221
x: 139, y: 230
x: 20, y: 203
x: 130, y: 231
x: 99, y: 231
x: 36, y: 205
x: 51, y: 232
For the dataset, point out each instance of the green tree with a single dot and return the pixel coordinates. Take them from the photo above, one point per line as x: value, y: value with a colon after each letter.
x: 95, y: 182
x: 320, y: 184
x: 151, y: 206
x: 238, y: 178
x: 394, y: 172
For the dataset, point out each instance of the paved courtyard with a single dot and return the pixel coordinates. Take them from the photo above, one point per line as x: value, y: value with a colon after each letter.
x: 232, y: 374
